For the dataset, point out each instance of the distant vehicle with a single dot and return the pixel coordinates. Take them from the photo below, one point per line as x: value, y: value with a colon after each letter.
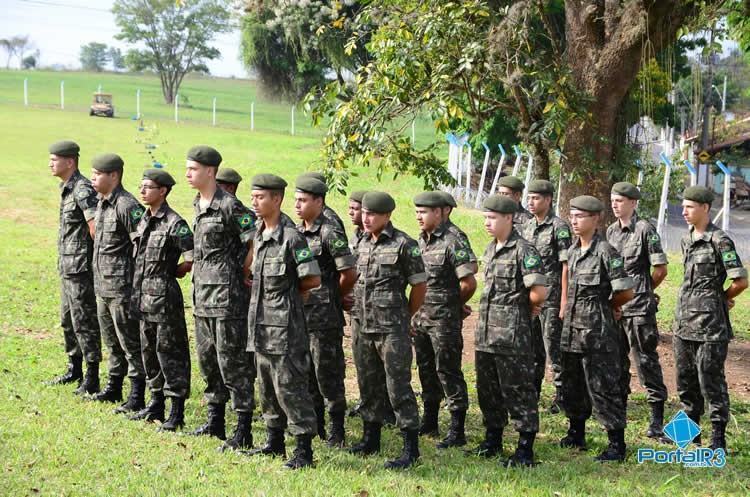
x: 101, y: 105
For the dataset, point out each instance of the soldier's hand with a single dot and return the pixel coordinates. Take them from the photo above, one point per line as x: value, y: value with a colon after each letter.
x: 730, y: 303
x: 305, y: 295
x: 465, y: 311
x: 413, y: 332
x: 617, y: 311
x: 248, y: 282
x: 561, y: 314
x: 183, y: 269
x: 347, y: 302
x: 536, y: 310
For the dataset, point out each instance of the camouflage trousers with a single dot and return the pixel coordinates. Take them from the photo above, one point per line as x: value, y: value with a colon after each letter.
x: 122, y: 337
x: 166, y: 356
x: 78, y: 318
x: 700, y: 376
x: 438, y: 356
x: 226, y: 367
x: 505, y: 387
x: 328, y: 369
x: 592, y: 381
x: 384, y: 359
x: 545, y: 334
x: 284, y: 392
x: 641, y: 337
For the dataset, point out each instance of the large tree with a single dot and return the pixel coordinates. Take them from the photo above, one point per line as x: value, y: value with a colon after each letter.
x: 94, y: 56
x: 172, y: 38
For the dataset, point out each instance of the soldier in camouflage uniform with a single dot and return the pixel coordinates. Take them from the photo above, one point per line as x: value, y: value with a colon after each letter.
x: 327, y: 211
x: 514, y: 292
x: 449, y: 203
x: 636, y: 239
x: 228, y: 180
x: 702, y: 326
x: 512, y: 187
x: 117, y: 215
x: 284, y: 268
x: 598, y: 285
x: 324, y: 313
x: 223, y: 229
x: 388, y: 260
x: 438, y: 343
x: 75, y: 248
x: 551, y: 236
x: 161, y: 239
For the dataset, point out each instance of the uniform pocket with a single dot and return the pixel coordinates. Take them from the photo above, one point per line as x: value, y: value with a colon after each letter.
x: 153, y: 295
x: 502, y: 322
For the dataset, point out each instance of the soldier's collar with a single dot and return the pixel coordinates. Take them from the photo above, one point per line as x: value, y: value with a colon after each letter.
x: 161, y: 212
x: 215, y: 200
x: 112, y: 197
x: 387, y: 231
x: 68, y: 185
x: 706, y: 236
x: 274, y: 234
x: 547, y: 218
x: 509, y: 242
x: 438, y: 232
x: 316, y: 225
x: 631, y: 225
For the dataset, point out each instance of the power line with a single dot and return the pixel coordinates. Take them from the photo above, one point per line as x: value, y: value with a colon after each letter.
x: 68, y: 5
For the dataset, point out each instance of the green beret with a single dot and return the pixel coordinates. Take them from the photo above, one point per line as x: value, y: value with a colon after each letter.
x: 268, y: 182
x: 500, y: 204
x: 208, y: 156
x: 448, y: 199
x: 541, y: 186
x: 308, y: 184
x: 314, y: 174
x: 159, y: 176
x: 699, y: 194
x: 357, y: 195
x: 587, y: 203
x: 228, y: 175
x: 65, y: 148
x: 511, y: 182
x: 626, y: 190
x: 108, y: 163
x: 429, y: 199
x: 379, y: 202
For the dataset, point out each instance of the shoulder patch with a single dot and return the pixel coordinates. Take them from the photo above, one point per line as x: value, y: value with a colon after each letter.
x: 616, y: 262
x: 244, y: 220
x: 563, y: 232
x: 531, y: 261
x: 339, y: 243
x: 654, y: 238
x: 462, y: 255
x: 415, y: 252
x: 136, y: 213
x: 729, y: 256
x: 82, y: 194
x: 183, y: 231
x: 303, y: 255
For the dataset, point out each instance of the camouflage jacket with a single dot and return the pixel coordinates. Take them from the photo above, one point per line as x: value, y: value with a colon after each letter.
x: 504, y: 309
x: 220, y: 230
x: 520, y: 217
x: 159, y: 241
x: 640, y: 247
x: 593, y: 275
x: 702, y: 313
x: 385, y: 266
x: 117, y: 217
x: 328, y: 244
x: 552, y: 238
x: 459, y: 233
x: 75, y: 247
x: 276, y: 320
x: 333, y: 217
x: 446, y: 261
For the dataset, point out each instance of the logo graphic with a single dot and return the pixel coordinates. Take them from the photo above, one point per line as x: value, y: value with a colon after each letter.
x: 616, y: 262
x: 302, y: 255
x: 682, y: 431
x: 531, y: 261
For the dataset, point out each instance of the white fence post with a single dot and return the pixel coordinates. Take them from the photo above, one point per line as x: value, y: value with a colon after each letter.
x: 62, y: 95
x: 99, y: 89
x: 252, y: 116
x: 664, y: 194
x: 726, y: 198
x: 26, y: 91
x: 693, y: 172
x: 177, y: 108
x: 519, y: 156
x: 529, y: 168
x: 480, y: 190
x: 138, y: 103
x: 639, y: 165
x: 467, y: 163
x: 413, y: 132
x: 213, y: 113
x: 499, y: 169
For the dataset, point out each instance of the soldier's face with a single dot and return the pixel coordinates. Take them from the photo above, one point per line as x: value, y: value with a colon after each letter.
x: 151, y: 193
x: 509, y: 192
x: 695, y: 213
x: 583, y: 223
x: 307, y: 206
x: 60, y: 166
x: 104, y: 183
x: 429, y: 218
x: 266, y: 203
x: 622, y: 206
x: 355, y: 213
x: 198, y: 175
x: 497, y: 224
x: 538, y: 203
x: 227, y: 187
x: 374, y: 222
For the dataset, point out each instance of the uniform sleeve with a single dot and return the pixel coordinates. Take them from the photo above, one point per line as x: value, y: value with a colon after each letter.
x: 302, y: 255
x: 460, y: 258
x: 86, y: 199
x: 335, y: 241
x: 652, y: 242
x: 615, y: 267
x: 532, y: 268
x: 410, y: 260
x: 563, y: 238
x: 182, y: 237
x: 731, y: 259
x: 244, y: 224
x: 464, y: 241
x: 131, y: 214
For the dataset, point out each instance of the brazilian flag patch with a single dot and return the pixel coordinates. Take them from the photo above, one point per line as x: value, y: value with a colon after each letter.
x: 339, y: 243
x: 136, y: 214
x: 563, y: 233
x: 245, y: 220
x: 182, y: 231
x: 730, y: 256
x: 415, y: 252
x: 531, y: 261
x: 654, y: 239
x: 462, y: 255
x: 616, y: 262
x: 82, y: 194
x: 303, y: 255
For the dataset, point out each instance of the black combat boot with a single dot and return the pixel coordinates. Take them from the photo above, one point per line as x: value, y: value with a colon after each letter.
x: 275, y: 445
x: 410, y: 452
x: 90, y: 383
x: 302, y: 457
x: 576, y: 437
x: 215, y: 425
x: 615, y: 451
x: 336, y: 435
x: 242, y: 439
x: 456, y: 434
x: 176, y: 415
x: 524, y: 454
x: 491, y: 446
x: 370, y: 443
x: 320, y: 417
x: 153, y: 411
x: 429, y: 425
x: 718, y: 435
x: 656, y: 426
x: 112, y: 390
x: 73, y: 374
x: 136, y: 400
x: 697, y: 420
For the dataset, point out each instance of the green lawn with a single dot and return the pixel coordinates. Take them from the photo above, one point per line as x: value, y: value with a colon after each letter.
x: 54, y: 444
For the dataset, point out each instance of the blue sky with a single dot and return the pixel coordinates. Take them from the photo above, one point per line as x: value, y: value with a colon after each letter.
x: 58, y: 28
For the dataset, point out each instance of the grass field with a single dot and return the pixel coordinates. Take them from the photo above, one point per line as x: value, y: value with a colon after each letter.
x: 52, y: 443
